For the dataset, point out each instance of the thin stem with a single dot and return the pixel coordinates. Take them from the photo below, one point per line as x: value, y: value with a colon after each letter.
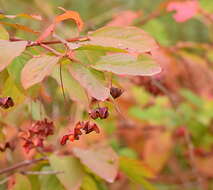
x: 41, y: 172
x: 61, y: 81
x: 50, y: 49
x: 32, y: 43
x: 21, y: 165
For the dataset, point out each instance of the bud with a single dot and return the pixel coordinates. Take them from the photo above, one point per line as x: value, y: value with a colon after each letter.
x: 103, y: 113
x: 6, y: 102
x: 116, y: 92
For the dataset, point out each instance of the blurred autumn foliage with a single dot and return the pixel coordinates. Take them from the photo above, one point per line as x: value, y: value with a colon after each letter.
x: 106, y: 95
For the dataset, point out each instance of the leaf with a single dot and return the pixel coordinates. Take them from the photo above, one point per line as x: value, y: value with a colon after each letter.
x: 37, y: 69
x: 89, y: 183
x: 75, y: 90
x: 70, y: 15
x: 135, y: 168
x: 67, y: 15
x: 103, y: 161
x: 73, y: 172
x: 128, y: 38
x: 184, y: 10
x: 125, y: 64
x: 124, y: 18
x: 20, y: 27
x: 24, y: 15
x: 137, y: 171
x: 90, y: 81
x: 157, y: 150
x: 10, y: 50
x: 10, y: 89
x: 15, y: 68
x: 21, y: 182
x: 49, y: 182
x: 3, y: 33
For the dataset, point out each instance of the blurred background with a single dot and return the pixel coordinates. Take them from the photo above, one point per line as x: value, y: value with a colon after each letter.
x: 169, y: 117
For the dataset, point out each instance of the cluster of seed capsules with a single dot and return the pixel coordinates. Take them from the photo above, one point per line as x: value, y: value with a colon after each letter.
x: 86, y: 127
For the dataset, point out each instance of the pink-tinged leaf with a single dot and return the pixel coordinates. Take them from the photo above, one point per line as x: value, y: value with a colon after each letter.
x: 125, y: 64
x: 20, y: 27
x: 103, y: 161
x: 90, y: 80
x: 67, y: 15
x: 129, y: 38
x: 37, y: 69
x: 185, y: 10
x: 124, y: 18
x: 9, y: 51
x: 73, y: 172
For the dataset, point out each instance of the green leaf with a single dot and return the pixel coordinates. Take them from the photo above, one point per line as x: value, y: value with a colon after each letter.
x: 125, y: 64
x: 191, y: 97
x: 49, y: 182
x: 90, y: 80
x: 103, y: 161
x: 9, y: 51
x: 73, y: 171
x: 10, y: 89
x: 75, y: 90
x: 3, y: 33
x: 36, y: 69
x: 128, y: 38
x: 21, y: 182
x: 137, y: 171
x: 89, y: 183
x: 14, y: 69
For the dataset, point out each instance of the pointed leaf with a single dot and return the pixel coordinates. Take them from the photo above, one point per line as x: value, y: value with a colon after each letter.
x: 90, y: 81
x: 135, y: 168
x: 137, y: 171
x: 10, y: 50
x: 125, y: 64
x: 103, y: 161
x: 67, y: 15
x: 131, y: 39
x: 37, y: 69
x: 71, y: 15
x: 73, y: 171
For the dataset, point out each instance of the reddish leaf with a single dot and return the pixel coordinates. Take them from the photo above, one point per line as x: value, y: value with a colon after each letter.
x: 103, y: 161
x: 157, y: 150
x: 124, y: 18
x: 184, y: 10
x: 71, y: 15
x: 67, y: 15
x: 37, y: 69
x: 9, y: 51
